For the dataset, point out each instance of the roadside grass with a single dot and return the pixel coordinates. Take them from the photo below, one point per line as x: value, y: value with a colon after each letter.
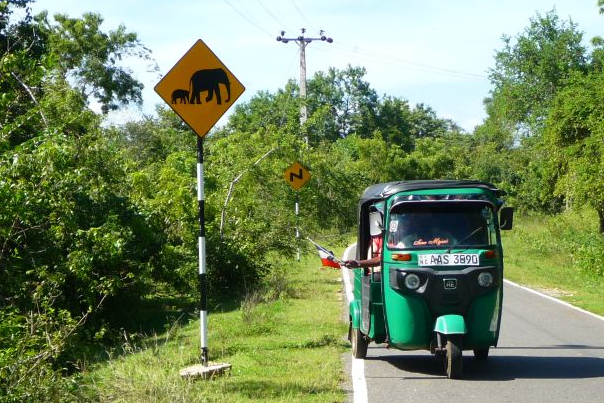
x: 281, y: 350
x: 544, y: 253
x: 285, y: 342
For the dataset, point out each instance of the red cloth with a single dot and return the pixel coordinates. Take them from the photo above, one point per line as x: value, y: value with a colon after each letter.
x: 327, y: 258
x: 376, y: 246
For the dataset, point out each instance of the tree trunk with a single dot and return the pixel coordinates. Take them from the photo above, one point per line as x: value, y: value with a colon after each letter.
x: 601, y: 217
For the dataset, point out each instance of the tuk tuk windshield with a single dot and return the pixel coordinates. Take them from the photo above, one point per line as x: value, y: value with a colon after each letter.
x: 441, y: 225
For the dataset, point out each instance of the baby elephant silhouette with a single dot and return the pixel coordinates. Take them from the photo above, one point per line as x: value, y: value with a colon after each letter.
x: 209, y: 80
x: 180, y: 95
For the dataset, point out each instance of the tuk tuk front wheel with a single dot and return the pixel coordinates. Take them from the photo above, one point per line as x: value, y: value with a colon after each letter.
x: 453, y: 357
x: 481, y: 354
x: 359, y: 344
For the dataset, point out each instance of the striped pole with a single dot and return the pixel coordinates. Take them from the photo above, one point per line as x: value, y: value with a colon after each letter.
x: 298, y: 226
x: 203, y: 302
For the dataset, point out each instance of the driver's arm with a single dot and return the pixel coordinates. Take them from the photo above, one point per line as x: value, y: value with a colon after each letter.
x: 374, y: 261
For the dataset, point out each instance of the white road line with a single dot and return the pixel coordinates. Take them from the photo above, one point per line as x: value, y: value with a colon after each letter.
x: 555, y: 300
x: 359, y: 383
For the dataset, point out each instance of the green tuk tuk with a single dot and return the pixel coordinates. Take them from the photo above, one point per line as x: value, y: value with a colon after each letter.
x: 439, y: 282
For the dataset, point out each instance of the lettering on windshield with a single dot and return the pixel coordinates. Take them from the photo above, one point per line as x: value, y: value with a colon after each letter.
x: 436, y: 241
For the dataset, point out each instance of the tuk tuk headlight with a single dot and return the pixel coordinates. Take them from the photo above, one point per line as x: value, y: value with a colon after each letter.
x: 412, y: 281
x: 485, y: 279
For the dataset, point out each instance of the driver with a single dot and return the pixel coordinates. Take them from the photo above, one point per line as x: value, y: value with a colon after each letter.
x: 407, y: 230
x: 417, y: 229
x: 374, y: 251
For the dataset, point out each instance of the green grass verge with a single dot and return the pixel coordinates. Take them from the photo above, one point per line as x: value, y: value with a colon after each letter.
x: 285, y: 350
x: 548, y: 253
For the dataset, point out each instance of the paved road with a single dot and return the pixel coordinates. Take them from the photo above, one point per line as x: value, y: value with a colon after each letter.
x: 547, y: 352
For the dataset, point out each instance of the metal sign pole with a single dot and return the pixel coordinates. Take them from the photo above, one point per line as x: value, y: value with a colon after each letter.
x: 203, y: 303
x: 298, y: 226
x: 192, y: 71
x: 296, y: 175
x: 204, y: 370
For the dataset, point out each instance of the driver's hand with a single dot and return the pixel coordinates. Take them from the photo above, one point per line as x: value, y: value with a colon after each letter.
x: 352, y: 263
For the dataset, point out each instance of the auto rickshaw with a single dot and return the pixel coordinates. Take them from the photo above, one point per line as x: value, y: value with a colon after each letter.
x: 439, y: 285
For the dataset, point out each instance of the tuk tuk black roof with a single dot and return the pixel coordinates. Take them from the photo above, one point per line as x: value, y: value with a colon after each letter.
x: 381, y: 191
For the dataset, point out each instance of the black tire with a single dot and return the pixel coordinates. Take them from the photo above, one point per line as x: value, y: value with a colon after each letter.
x: 481, y: 354
x: 359, y: 344
x: 453, y: 358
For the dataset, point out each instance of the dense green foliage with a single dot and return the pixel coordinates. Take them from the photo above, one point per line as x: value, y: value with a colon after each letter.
x: 98, y: 224
x: 74, y: 247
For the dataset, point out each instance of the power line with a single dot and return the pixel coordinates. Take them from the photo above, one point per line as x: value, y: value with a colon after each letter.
x: 241, y: 5
x: 302, y: 15
x: 398, y: 61
x: 408, y: 67
x: 289, y: 68
x: 255, y: 24
x: 271, y: 14
x: 408, y: 64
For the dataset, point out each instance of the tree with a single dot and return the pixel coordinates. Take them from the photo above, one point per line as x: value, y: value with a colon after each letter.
x: 349, y: 101
x: 574, y: 137
x: 76, y: 254
x: 531, y: 70
x: 425, y: 123
x: 92, y: 58
x: 37, y: 54
x: 265, y: 109
x: 395, y: 120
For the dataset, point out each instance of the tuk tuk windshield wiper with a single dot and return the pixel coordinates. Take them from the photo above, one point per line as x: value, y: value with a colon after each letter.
x: 464, y: 239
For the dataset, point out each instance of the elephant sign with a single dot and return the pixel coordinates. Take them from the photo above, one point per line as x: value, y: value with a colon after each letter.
x: 199, y: 88
x: 180, y: 95
x: 209, y: 80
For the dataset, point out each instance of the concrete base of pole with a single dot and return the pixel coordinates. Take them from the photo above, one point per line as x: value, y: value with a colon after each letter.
x: 203, y: 372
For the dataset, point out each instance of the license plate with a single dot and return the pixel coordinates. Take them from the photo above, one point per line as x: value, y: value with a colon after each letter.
x: 449, y: 259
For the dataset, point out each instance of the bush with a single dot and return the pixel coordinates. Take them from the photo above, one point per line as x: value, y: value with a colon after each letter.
x: 588, y: 257
x: 29, y: 348
x: 574, y: 231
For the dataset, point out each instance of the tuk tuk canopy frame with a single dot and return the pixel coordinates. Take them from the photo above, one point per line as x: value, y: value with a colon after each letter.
x: 382, y: 191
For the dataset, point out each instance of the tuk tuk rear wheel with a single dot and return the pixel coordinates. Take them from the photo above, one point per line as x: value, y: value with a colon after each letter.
x: 453, y: 357
x: 359, y: 344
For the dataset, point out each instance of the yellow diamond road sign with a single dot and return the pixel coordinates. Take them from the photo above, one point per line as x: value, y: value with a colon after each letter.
x: 296, y: 175
x: 199, y: 88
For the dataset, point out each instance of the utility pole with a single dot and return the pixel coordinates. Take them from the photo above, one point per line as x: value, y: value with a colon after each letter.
x: 302, y: 42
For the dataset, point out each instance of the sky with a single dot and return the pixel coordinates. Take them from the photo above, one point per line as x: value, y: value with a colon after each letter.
x: 435, y: 52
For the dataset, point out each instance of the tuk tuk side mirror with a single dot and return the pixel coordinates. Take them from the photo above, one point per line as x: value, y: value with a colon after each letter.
x: 375, y: 223
x: 506, y: 218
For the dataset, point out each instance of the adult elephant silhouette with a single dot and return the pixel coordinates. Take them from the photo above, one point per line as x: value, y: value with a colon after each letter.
x: 208, y: 80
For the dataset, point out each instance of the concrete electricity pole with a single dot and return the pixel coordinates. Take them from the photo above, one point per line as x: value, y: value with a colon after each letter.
x: 302, y: 42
